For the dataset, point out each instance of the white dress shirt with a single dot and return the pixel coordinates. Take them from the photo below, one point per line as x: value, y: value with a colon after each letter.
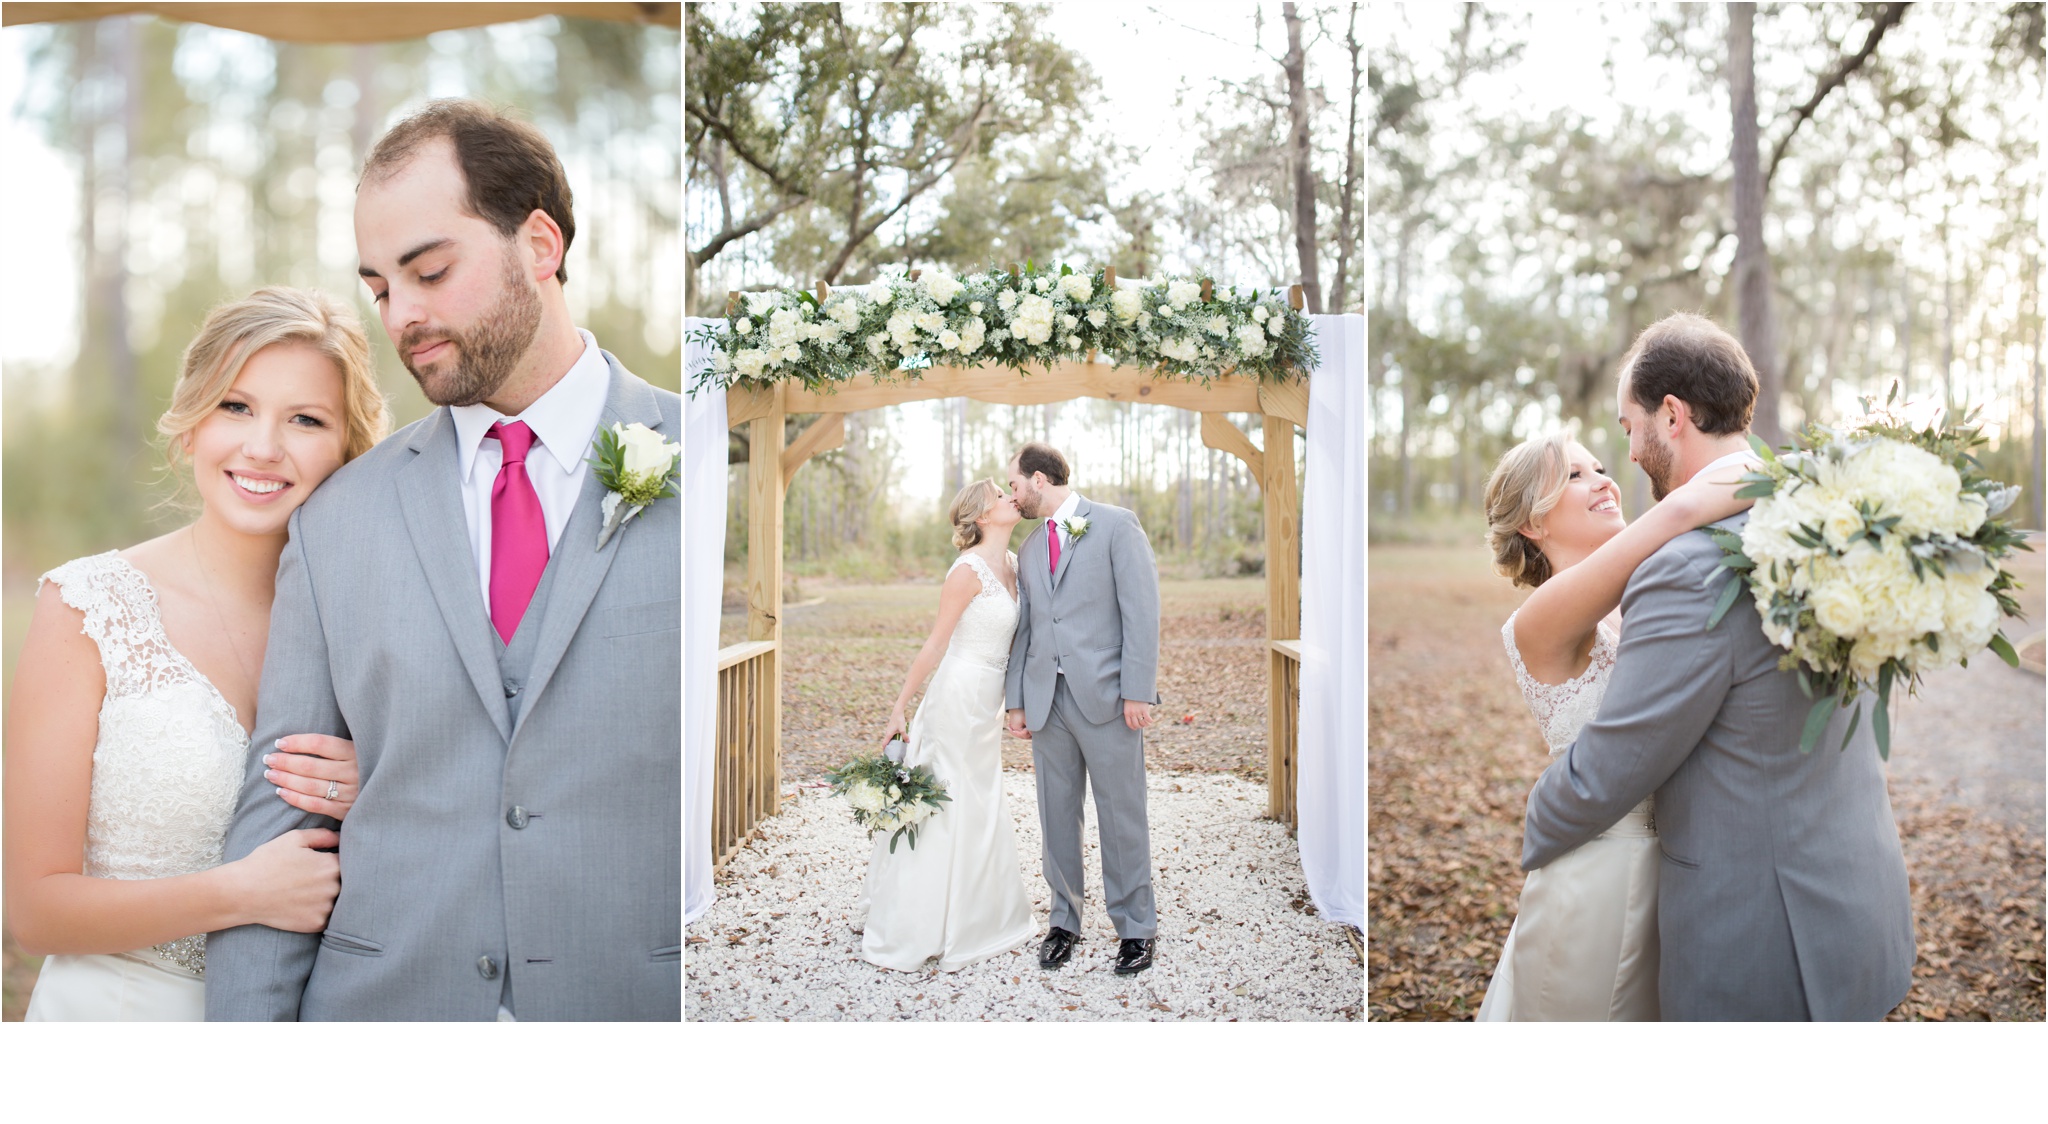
x: 1055, y: 532
x: 1728, y: 461
x: 564, y: 420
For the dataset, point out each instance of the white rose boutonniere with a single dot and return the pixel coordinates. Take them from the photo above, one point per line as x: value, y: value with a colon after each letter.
x: 1075, y: 527
x: 636, y: 468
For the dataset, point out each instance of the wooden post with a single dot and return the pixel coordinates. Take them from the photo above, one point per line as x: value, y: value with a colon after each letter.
x: 1295, y: 300
x: 824, y: 291
x: 732, y: 301
x: 1109, y: 277
x: 1208, y: 292
x: 1282, y: 503
x: 764, y: 585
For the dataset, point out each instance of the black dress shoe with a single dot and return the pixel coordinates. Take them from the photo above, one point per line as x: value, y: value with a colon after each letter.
x: 1057, y: 949
x: 1133, y: 956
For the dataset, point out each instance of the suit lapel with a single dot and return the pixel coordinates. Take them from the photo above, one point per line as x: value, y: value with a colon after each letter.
x: 579, y: 566
x: 1035, y: 561
x: 1069, y: 543
x: 432, y: 507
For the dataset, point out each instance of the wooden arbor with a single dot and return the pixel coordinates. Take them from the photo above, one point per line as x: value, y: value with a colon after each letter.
x: 750, y: 673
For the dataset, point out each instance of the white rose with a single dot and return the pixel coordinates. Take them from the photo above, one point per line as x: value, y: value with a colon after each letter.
x: 743, y: 325
x: 1097, y: 317
x: 865, y: 796
x: 885, y: 296
x: 1043, y: 285
x: 1127, y: 304
x: 950, y: 340
x: 974, y: 307
x: 645, y: 453
x: 1074, y: 343
x: 749, y: 362
x: 1077, y: 287
x: 942, y: 287
x: 1069, y: 322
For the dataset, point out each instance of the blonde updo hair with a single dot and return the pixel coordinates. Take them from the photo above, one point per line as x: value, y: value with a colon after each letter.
x: 274, y: 314
x: 1525, y: 485
x: 968, y: 506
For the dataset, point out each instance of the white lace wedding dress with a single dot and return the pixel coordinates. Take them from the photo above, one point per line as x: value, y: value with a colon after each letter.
x: 1583, y: 946
x: 959, y: 896
x: 166, y: 772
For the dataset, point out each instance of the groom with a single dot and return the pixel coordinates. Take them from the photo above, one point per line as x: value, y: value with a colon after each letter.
x: 1080, y: 688
x: 512, y: 689
x: 1782, y: 891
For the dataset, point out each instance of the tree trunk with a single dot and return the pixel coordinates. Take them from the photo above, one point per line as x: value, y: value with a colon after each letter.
x: 1295, y: 64
x: 1347, y: 214
x: 1752, y: 262
x: 1185, y: 529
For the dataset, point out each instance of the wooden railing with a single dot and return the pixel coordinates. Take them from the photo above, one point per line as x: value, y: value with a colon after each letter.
x: 1283, y: 730
x: 747, y: 787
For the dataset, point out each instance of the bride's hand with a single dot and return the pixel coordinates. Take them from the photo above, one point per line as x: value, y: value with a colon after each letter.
x: 287, y: 884
x: 315, y: 773
x: 897, y: 725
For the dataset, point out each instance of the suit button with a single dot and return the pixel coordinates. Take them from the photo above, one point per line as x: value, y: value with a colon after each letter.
x: 511, y: 689
x: 487, y: 967
x: 516, y: 817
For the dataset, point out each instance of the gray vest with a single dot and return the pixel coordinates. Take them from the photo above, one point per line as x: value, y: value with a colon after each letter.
x: 514, y: 662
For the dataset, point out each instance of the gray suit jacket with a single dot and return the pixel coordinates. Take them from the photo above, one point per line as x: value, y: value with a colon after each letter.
x: 1098, y: 617
x: 380, y: 633
x: 1782, y: 891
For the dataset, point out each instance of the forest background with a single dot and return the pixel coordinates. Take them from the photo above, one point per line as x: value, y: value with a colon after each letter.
x: 1546, y: 185
x: 163, y: 167
x: 831, y: 142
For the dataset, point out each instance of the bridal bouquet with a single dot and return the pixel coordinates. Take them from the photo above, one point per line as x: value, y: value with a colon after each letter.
x: 887, y: 796
x: 1872, y: 554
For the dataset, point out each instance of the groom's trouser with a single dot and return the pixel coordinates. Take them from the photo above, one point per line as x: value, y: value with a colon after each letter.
x: 1069, y: 754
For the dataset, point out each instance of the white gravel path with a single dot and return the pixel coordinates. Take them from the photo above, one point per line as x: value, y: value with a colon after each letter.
x: 1238, y: 939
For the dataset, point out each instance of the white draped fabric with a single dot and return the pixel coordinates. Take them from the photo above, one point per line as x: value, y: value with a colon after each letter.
x: 1330, y: 800
x: 704, y: 445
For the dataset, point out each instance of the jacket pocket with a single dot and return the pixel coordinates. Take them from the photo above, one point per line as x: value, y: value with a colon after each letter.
x: 666, y: 954
x: 651, y: 616
x: 354, y: 946
x: 1674, y: 860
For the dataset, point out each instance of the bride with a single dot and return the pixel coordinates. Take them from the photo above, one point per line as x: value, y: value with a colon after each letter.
x: 128, y: 729
x: 958, y: 896
x: 1583, y: 946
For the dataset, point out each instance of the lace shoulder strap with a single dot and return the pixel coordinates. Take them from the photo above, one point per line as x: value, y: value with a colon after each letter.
x: 121, y: 617
x: 1507, y: 638
x: 989, y: 582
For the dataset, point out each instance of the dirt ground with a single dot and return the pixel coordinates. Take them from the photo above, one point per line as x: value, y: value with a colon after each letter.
x: 1452, y: 753
x: 849, y: 647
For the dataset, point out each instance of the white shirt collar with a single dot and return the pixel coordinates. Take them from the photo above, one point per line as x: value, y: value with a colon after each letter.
x: 564, y: 419
x: 1066, y: 510
x: 1728, y: 461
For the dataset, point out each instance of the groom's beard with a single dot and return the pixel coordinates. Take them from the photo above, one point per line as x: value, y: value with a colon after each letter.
x: 1656, y: 460
x: 487, y: 352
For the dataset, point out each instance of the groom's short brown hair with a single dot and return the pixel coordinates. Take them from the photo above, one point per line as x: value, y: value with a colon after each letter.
x: 1037, y: 456
x: 511, y: 169
x: 1696, y: 361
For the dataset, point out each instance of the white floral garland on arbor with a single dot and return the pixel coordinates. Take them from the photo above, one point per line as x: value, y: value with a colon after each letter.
x: 1033, y: 318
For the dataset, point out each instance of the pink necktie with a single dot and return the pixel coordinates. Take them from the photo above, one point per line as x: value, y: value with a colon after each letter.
x: 519, y: 532
x: 1052, y: 538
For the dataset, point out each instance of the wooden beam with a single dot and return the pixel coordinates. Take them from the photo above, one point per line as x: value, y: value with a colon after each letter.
x: 1064, y: 381
x: 828, y: 432
x: 764, y: 588
x: 1286, y: 399
x: 1219, y: 433
x: 744, y: 403
x: 1281, y: 500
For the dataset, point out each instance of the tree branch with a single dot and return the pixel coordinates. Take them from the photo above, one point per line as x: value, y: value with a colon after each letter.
x: 1887, y: 18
